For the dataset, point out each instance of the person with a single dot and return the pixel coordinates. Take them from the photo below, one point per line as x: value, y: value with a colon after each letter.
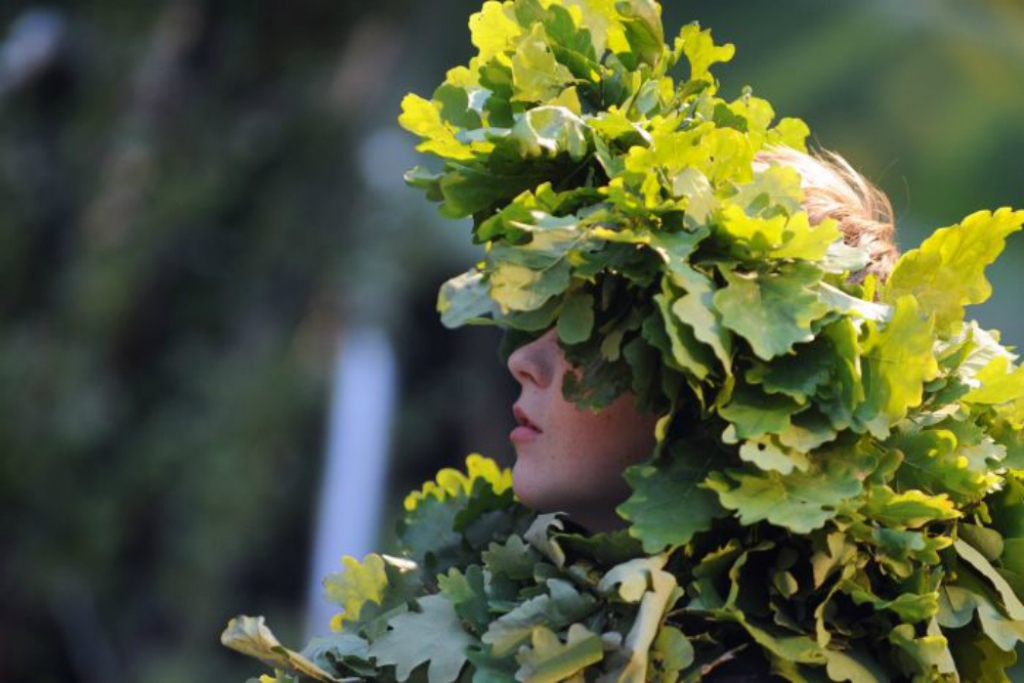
x: 571, y: 459
x: 683, y: 288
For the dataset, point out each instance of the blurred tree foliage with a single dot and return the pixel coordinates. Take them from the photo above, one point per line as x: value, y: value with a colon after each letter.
x: 189, y: 216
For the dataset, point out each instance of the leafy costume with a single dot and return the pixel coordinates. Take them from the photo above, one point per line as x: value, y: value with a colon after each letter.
x: 838, y: 486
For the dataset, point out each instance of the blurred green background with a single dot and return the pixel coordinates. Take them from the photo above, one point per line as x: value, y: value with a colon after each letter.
x: 199, y: 197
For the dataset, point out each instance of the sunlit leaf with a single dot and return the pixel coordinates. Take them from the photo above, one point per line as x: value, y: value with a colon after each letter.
x: 948, y: 271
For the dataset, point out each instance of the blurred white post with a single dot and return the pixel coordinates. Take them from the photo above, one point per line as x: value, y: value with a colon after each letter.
x: 354, y: 476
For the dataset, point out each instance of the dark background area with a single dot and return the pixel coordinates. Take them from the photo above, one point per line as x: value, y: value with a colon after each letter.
x: 198, y: 197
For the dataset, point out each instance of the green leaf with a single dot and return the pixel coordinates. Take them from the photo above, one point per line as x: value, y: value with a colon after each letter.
x: 833, y: 552
x: 547, y: 660
x: 597, y: 382
x: 450, y: 483
x: 776, y: 187
x: 598, y: 18
x: 434, y: 515
x: 801, y: 501
x: 455, y: 106
x: 948, y: 271
x: 772, y: 311
x: 1005, y: 633
x: 427, y: 534
x: 777, y: 237
x: 801, y: 649
x: 801, y: 240
x: 839, y: 398
x: 922, y: 656
x: 521, y: 288
x: 536, y: 74
x: 797, y: 374
x: 731, y: 156
x: 696, y: 310
x: 463, y: 299
x: 986, y: 541
x: 700, y: 200
x: 669, y: 505
x: 434, y: 635
x: 467, y: 593
x: 561, y: 606
x: 934, y: 465
x: 809, y: 431
x: 897, y: 361
x: 854, y: 666
x: 471, y: 188
x: 490, y: 669
x: 910, y: 607
x: 858, y: 308
x: 351, y: 651
x: 672, y: 653
x: 1011, y: 601
x: 576, y: 322
x: 605, y: 549
x: 789, y: 132
x: 641, y: 20
x: 551, y: 130
x: 524, y: 277
x: 551, y: 239
x: 569, y: 40
x: 749, y: 237
x: 250, y: 636
x: 691, y: 355
x: 956, y: 606
x: 910, y: 509
x: 754, y: 414
x: 896, y: 546
x: 515, y: 559
x: 978, y: 658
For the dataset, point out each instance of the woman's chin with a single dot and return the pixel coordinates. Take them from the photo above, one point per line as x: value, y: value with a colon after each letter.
x: 529, y: 488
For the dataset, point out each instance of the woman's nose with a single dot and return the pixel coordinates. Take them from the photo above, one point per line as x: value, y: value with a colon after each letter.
x: 534, y: 362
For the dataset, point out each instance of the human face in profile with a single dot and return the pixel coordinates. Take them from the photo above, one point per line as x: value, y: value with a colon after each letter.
x: 568, y: 459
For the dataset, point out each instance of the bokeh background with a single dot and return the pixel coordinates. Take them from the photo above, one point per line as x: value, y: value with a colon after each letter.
x: 201, y: 211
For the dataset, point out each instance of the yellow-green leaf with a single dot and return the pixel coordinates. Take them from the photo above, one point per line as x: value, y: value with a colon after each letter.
x: 909, y: 509
x: 494, y: 29
x: 701, y: 51
x: 536, y: 74
x: 948, y: 271
x: 423, y: 118
x: 450, y: 483
x: 357, y: 584
x: 548, y: 660
x: 898, y: 359
x: 772, y: 311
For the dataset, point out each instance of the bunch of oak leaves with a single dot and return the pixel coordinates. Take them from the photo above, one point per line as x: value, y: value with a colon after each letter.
x: 838, y: 486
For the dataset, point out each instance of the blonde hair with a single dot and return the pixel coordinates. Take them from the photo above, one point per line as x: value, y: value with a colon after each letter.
x: 834, y: 189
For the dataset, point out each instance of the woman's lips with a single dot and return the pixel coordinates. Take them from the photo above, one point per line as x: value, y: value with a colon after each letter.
x: 526, y: 431
x: 523, y: 435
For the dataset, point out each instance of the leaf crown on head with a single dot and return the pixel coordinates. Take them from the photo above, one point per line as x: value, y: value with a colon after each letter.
x: 627, y: 210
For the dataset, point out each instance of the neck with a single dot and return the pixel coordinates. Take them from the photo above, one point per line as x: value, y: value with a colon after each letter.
x: 597, y: 521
